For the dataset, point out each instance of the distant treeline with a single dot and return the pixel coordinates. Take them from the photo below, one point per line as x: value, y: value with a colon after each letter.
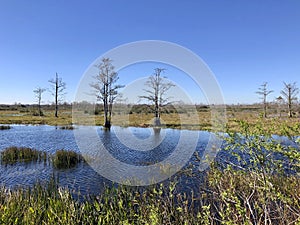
x: 144, y: 108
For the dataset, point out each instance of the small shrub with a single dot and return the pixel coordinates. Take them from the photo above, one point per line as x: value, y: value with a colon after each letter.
x: 14, y: 154
x: 37, y: 113
x: 64, y: 159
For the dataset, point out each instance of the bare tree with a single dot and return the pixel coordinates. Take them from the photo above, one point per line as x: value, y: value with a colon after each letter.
x: 105, y: 88
x: 264, y: 92
x: 157, y: 88
x: 58, y: 87
x: 38, y: 94
x: 289, y: 93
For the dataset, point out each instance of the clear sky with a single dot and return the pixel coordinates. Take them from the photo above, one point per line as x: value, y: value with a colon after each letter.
x: 245, y: 43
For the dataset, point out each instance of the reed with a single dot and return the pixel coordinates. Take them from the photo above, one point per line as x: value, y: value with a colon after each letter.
x: 5, y: 127
x: 226, y: 197
x: 14, y: 154
x: 64, y: 159
x: 68, y: 127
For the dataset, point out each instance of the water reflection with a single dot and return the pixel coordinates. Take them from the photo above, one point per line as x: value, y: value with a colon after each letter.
x: 131, y: 146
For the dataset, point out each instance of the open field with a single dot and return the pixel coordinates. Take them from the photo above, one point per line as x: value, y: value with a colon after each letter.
x: 197, y: 118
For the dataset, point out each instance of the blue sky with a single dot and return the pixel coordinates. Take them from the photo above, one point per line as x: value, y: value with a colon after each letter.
x: 245, y: 43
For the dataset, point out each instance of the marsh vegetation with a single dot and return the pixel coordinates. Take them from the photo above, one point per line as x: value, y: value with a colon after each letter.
x: 4, y: 127
x: 15, y: 154
x: 254, y: 180
x: 64, y: 159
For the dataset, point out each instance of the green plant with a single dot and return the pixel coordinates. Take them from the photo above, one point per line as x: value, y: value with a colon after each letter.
x: 14, y: 154
x: 64, y: 159
x: 255, y: 185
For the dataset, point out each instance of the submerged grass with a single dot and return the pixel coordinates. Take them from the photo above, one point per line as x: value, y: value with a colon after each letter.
x: 64, y: 159
x: 14, y: 154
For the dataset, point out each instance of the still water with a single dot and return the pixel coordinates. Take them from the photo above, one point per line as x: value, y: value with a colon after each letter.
x: 131, y: 146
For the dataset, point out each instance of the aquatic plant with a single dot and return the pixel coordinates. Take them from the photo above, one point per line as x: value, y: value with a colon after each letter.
x: 68, y: 127
x: 5, y: 127
x: 64, y: 159
x: 14, y: 154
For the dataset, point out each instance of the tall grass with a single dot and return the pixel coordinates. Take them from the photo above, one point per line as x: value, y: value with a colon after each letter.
x: 5, y: 127
x: 64, y: 159
x: 14, y: 154
x: 228, y: 197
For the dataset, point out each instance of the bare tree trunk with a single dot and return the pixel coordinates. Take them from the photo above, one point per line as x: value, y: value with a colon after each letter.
x: 105, y: 88
x: 56, y: 96
x: 157, y: 114
x: 290, y: 93
x: 265, y: 106
x: 290, y: 114
x: 40, y: 109
x: 157, y: 88
x: 58, y: 87
x: 38, y: 94
x: 107, y: 124
x: 264, y: 92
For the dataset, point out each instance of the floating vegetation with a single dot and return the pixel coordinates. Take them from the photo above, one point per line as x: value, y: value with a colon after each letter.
x: 14, y: 154
x: 5, y: 127
x: 64, y: 159
x: 69, y: 127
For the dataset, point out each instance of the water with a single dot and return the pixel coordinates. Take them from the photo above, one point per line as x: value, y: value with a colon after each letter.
x: 131, y: 146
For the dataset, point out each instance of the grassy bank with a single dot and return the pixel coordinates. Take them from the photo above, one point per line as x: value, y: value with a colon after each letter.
x: 139, y: 117
x: 227, y: 197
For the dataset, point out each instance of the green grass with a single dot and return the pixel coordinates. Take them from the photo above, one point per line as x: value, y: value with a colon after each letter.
x: 64, y: 159
x: 14, y: 154
x: 226, y: 197
x: 61, y: 159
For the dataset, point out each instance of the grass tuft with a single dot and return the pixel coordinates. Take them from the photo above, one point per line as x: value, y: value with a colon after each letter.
x: 68, y: 127
x: 5, y: 127
x: 14, y: 154
x: 64, y: 159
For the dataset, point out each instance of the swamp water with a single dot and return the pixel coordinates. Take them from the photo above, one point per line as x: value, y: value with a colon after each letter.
x: 131, y: 146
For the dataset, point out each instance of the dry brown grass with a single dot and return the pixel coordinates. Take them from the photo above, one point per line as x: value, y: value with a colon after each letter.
x: 202, y: 121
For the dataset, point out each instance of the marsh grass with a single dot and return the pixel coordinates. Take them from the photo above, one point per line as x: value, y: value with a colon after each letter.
x: 5, y: 127
x: 140, y: 118
x: 14, y: 154
x: 68, y: 127
x: 225, y: 197
x: 64, y: 159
